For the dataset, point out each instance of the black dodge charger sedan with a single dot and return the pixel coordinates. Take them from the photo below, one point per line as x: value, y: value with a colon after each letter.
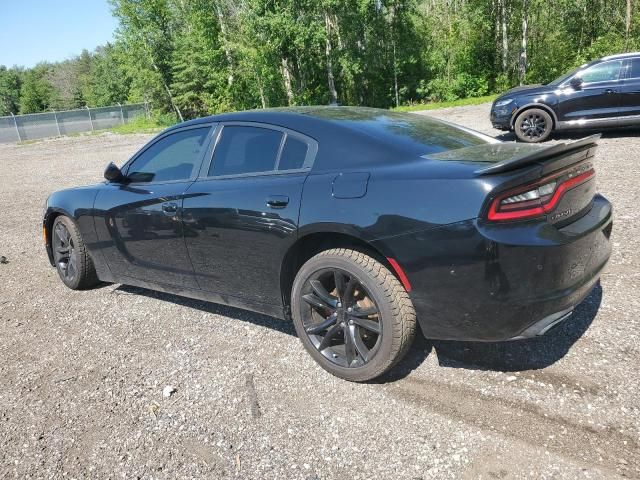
x: 354, y: 222
x: 603, y: 93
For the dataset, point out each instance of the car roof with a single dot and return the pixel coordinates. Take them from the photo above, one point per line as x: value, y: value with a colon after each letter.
x: 621, y: 56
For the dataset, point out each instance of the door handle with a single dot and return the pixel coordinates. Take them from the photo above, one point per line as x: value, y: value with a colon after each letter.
x: 609, y: 91
x: 277, y: 201
x: 170, y: 208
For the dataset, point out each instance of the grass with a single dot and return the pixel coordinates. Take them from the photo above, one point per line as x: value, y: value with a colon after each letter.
x: 144, y: 125
x: 455, y: 103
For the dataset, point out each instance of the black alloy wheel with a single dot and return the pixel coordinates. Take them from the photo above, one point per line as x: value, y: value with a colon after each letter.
x: 533, y: 125
x: 73, y: 263
x: 343, y: 322
x: 352, y: 314
x: 64, y: 253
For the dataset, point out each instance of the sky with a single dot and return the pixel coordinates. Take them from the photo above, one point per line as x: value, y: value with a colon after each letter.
x: 35, y: 30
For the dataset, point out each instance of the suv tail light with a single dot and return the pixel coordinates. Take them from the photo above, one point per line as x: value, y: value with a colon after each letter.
x: 536, y: 199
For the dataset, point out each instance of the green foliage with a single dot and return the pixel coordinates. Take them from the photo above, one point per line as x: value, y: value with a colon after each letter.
x: 142, y: 124
x: 190, y: 58
x: 454, y: 103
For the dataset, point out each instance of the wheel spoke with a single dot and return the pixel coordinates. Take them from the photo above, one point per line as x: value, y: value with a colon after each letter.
x: 317, y: 303
x: 349, y: 343
x: 361, y: 348
x: 364, y: 312
x: 315, y: 329
x: 348, y: 291
x: 322, y: 293
x: 367, y: 324
x: 331, y: 333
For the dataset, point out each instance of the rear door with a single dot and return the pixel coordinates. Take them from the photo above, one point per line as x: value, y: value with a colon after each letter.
x: 241, y: 216
x: 597, y: 101
x: 630, y: 93
x: 139, y: 222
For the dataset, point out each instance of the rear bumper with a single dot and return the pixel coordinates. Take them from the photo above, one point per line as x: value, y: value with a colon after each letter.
x: 479, y: 282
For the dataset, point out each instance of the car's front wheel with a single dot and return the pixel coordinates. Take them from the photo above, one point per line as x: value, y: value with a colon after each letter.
x: 352, y: 314
x: 70, y: 255
x: 533, y: 125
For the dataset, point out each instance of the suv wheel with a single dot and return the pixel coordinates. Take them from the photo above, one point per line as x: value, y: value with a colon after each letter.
x: 352, y: 314
x: 533, y: 125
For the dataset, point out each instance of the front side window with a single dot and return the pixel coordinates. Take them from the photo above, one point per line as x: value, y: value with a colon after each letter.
x: 174, y: 157
x: 242, y: 149
x: 602, y: 72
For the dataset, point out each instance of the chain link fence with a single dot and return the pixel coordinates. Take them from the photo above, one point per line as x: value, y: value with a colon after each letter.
x: 18, y: 128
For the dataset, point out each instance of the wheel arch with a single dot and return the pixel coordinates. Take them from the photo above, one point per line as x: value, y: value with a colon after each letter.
x: 540, y: 106
x: 313, y: 243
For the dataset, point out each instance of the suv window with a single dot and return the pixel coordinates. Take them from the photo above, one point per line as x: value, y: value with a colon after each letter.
x: 174, y: 157
x: 602, y: 72
x: 242, y: 149
x: 634, y: 68
x: 293, y: 154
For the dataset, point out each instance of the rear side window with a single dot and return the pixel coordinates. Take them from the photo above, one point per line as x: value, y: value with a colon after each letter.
x: 242, y: 149
x: 293, y: 154
x: 634, y: 68
x: 174, y: 157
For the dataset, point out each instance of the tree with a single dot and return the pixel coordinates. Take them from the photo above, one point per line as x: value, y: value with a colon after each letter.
x: 10, y: 83
x: 36, y: 93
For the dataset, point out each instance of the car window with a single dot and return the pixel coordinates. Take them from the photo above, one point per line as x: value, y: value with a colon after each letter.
x: 634, y: 68
x: 243, y: 149
x: 293, y: 154
x: 602, y: 72
x: 174, y: 157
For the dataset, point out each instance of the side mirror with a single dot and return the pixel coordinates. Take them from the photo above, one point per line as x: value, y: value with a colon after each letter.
x: 112, y: 173
x: 575, y: 82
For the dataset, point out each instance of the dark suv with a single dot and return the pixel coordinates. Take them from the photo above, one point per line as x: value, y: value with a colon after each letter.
x: 602, y: 93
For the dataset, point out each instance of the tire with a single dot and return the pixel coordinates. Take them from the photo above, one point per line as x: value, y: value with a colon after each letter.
x: 73, y: 263
x: 533, y: 125
x: 352, y: 314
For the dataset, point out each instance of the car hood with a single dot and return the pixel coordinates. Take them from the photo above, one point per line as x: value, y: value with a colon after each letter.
x: 524, y: 89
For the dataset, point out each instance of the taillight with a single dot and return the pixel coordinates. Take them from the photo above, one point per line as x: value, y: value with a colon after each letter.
x: 537, y: 199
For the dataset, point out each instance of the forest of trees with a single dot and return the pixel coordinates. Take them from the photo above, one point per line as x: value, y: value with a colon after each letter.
x: 196, y: 57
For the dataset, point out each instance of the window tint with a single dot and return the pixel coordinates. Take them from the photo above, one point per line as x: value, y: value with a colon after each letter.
x: 602, y: 72
x: 175, y: 157
x: 293, y: 154
x: 634, y: 68
x: 245, y: 150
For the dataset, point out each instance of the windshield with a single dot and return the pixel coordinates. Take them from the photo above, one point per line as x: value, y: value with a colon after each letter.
x: 564, y: 77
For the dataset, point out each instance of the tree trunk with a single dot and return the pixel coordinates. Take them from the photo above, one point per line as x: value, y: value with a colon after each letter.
x: 333, y: 94
x: 522, y: 66
x: 286, y: 75
x: 505, y: 37
x: 263, y: 100
x: 168, y: 90
x: 627, y: 25
x: 225, y: 43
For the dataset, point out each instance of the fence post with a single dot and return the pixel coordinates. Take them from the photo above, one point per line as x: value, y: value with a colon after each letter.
x: 15, y: 122
x: 55, y: 115
x: 90, y: 119
x: 121, y: 113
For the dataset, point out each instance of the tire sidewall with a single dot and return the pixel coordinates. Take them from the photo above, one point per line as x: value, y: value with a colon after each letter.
x: 548, y: 122
x: 322, y: 262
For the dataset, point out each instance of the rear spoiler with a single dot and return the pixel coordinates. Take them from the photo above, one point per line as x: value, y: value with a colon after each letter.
x: 539, y: 155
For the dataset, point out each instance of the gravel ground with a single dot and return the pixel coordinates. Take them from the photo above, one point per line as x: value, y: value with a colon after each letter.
x: 82, y: 373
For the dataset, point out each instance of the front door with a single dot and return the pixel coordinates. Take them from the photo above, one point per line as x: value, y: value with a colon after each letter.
x: 139, y: 221
x: 597, y: 101
x: 242, y: 216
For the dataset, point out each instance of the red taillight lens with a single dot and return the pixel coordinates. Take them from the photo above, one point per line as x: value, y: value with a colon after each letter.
x: 537, y: 199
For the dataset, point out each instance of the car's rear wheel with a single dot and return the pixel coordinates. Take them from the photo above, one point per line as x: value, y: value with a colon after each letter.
x: 352, y: 314
x: 533, y: 125
x: 70, y: 255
